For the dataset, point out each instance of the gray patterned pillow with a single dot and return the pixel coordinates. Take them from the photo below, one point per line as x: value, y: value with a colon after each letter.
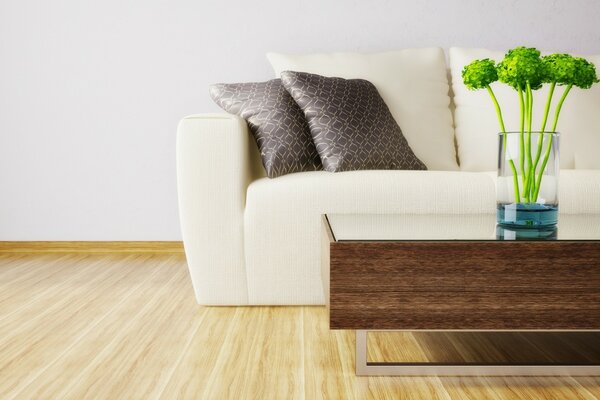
x: 350, y: 123
x: 276, y: 122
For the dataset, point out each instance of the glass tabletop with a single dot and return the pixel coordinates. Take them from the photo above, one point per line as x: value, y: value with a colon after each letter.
x: 480, y: 227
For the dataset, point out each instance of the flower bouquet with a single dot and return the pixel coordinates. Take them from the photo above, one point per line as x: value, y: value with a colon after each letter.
x: 528, y: 160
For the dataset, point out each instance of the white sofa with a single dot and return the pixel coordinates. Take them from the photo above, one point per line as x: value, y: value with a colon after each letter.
x: 252, y: 240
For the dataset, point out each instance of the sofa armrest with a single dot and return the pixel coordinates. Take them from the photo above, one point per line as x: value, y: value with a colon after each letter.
x: 216, y: 161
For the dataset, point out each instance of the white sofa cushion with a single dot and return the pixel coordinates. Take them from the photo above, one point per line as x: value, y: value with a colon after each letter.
x: 282, y: 231
x: 477, y: 126
x: 412, y: 82
x: 282, y: 219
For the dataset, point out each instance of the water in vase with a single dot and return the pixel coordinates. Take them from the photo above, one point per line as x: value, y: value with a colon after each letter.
x: 527, y: 214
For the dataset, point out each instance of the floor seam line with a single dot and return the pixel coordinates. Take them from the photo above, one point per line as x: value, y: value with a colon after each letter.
x: 303, y: 354
x: 181, y: 356
x: 210, y: 378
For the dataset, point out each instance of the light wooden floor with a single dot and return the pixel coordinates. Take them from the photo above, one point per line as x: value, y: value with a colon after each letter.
x: 126, y: 326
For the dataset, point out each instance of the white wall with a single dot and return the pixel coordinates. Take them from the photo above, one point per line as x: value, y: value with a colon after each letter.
x: 91, y: 91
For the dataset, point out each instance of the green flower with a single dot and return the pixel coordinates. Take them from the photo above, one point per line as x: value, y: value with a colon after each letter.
x: 520, y: 66
x: 585, y: 74
x: 479, y: 74
x: 559, y: 69
x: 564, y: 69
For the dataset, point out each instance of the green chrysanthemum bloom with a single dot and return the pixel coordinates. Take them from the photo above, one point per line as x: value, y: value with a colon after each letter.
x: 520, y: 66
x: 479, y: 74
x: 585, y: 74
x: 559, y: 69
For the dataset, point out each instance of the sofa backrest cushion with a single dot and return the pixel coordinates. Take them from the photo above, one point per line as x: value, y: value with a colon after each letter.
x: 477, y: 126
x: 412, y: 82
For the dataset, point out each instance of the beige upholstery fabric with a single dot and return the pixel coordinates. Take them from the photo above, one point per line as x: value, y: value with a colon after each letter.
x: 282, y: 224
x: 215, y: 159
x: 282, y: 219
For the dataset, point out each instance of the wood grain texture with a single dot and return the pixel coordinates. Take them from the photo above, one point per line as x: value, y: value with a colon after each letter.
x: 41, y: 329
x: 92, y: 247
x: 112, y: 326
x: 190, y: 375
x: 101, y: 339
x: 465, y: 285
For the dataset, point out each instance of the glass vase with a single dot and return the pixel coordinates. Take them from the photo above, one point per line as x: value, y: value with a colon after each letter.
x: 527, y: 185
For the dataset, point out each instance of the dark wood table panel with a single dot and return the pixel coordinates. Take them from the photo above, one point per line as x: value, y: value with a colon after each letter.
x: 469, y: 285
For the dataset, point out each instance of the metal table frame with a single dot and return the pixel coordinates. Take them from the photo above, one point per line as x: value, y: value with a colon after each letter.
x: 366, y: 368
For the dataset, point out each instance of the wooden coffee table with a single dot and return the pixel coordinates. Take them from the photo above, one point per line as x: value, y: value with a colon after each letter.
x: 461, y: 273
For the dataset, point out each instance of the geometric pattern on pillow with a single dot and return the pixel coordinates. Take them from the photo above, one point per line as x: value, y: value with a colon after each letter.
x: 350, y: 123
x: 276, y: 122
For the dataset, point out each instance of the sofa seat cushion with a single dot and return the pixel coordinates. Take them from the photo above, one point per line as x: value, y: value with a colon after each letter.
x: 282, y: 219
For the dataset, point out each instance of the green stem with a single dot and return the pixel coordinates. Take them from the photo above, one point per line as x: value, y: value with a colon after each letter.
x: 559, y: 106
x: 529, y: 161
x: 515, y: 178
x: 511, y: 162
x: 549, y: 146
x: 522, y: 139
x: 547, y: 108
x: 540, y: 143
x: 538, y: 181
x: 498, y: 110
